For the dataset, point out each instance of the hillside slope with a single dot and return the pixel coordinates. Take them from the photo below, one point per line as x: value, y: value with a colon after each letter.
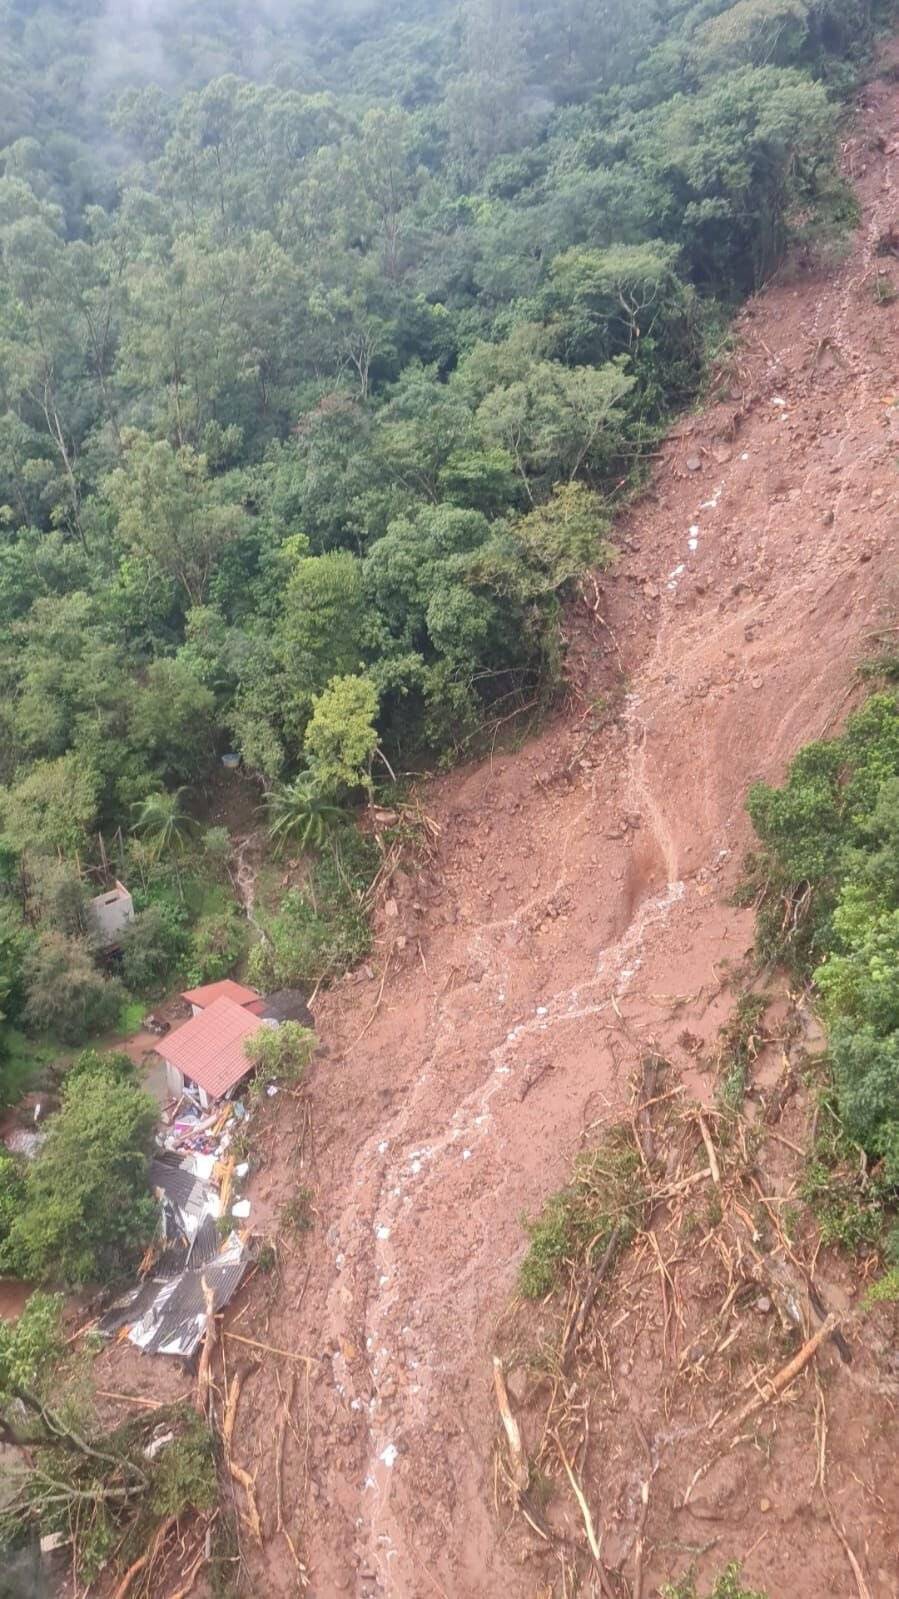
x: 576, y: 909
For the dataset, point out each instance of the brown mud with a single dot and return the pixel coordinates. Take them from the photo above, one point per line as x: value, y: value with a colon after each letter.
x: 577, y: 903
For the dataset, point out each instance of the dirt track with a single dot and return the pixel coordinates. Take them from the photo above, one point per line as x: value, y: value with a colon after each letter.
x: 594, y: 865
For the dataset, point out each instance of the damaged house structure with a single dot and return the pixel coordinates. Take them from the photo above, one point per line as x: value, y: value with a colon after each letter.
x: 206, y: 1057
x: 186, y: 1270
x: 109, y: 914
x: 189, y: 1270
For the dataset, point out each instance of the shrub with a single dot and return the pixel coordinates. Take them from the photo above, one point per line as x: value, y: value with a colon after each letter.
x: 153, y: 947
x: 12, y: 1192
x: 341, y: 737
x: 323, y: 930
x: 727, y: 1586
x: 111, y: 1064
x: 605, y: 1193
x: 828, y: 880
x: 296, y: 1215
x: 87, y: 1210
x: 216, y: 944
x: 67, y: 995
x: 281, y: 1052
x: 30, y: 1346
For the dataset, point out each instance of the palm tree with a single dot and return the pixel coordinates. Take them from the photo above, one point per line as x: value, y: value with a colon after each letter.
x: 163, y: 823
x: 298, y: 813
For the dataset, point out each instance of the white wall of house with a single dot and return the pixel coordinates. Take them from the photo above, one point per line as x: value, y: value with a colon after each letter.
x: 177, y: 1083
x: 112, y: 912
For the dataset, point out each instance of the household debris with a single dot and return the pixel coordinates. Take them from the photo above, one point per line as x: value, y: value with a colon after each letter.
x: 192, y: 1177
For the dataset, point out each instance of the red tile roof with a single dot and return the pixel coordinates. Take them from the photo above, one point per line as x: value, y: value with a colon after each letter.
x: 209, y: 1048
x: 226, y: 989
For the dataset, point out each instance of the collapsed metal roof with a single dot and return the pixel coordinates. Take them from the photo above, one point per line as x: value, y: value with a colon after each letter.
x: 168, y: 1316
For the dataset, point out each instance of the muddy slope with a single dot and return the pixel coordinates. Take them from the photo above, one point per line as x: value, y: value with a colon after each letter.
x: 589, y: 871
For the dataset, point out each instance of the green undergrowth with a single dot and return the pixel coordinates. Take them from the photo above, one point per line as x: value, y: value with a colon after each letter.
x: 321, y: 930
x: 297, y: 1215
x: 739, y: 1041
x: 825, y: 880
x: 729, y: 1585
x: 576, y: 1224
x: 851, y: 1202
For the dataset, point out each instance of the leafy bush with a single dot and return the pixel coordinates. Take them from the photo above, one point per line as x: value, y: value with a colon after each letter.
x: 738, y: 1045
x: 828, y: 880
x: 341, y: 738
x: 68, y: 995
x: 323, y: 930
x: 605, y: 1193
x: 112, y: 1064
x: 153, y: 948
x: 87, y: 1211
x: 12, y: 1191
x: 281, y: 1052
x: 31, y: 1345
x: 216, y: 944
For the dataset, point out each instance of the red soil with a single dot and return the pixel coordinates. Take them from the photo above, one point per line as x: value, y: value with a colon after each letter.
x: 584, y: 879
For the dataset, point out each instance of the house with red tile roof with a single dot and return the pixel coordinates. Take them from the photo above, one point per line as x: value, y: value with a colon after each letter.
x: 206, y: 1057
x: 201, y: 998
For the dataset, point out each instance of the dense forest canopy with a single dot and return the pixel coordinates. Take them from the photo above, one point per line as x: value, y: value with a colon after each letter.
x: 328, y: 337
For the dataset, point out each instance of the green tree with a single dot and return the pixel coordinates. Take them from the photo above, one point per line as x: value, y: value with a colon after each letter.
x: 163, y: 823
x: 52, y: 806
x: 281, y: 1052
x: 154, y: 946
x: 68, y: 996
x: 299, y: 814
x: 341, y: 737
x: 88, y: 1211
x: 169, y: 514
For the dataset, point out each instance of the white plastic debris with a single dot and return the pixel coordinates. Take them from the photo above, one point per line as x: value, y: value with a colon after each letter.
x: 241, y: 1208
x: 242, y: 1169
x: 272, y: 1090
x: 153, y: 1448
x: 778, y: 402
x: 382, y: 1232
x: 389, y: 1454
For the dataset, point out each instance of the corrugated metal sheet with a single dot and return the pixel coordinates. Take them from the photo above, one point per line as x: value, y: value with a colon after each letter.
x: 177, y: 1183
x: 168, y: 1317
x: 128, y: 1308
x: 206, y: 1244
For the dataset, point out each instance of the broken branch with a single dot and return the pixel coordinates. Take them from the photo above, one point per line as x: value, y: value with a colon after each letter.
x: 248, y: 1485
x: 242, y: 1372
x: 710, y: 1150
x: 520, y: 1471
x: 788, y: 1373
